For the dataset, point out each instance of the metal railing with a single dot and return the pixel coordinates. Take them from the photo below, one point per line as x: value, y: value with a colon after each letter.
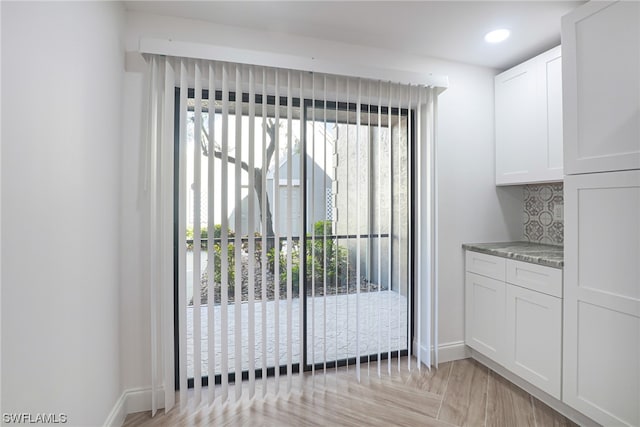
x: 317, y: 237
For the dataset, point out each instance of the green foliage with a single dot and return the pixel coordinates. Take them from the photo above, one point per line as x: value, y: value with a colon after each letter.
x: 324, y: 255
x: 217, y: 251
x: 204, y: 233
x: 282, y: 267
x: 322, y: 228
x: 231, y: 263
x: 325, y: 260
x: 217, y: 256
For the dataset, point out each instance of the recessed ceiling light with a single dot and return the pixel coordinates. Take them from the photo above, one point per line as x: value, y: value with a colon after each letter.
x: 497, y: 36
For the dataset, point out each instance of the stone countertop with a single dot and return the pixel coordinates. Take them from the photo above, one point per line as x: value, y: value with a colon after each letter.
x: 536, y: 253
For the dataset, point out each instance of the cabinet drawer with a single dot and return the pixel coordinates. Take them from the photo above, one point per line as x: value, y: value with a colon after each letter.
x: 535, y: 277
x: 485, y: 265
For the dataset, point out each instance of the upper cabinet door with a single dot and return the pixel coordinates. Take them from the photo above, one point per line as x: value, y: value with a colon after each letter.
x: 528, y: 107
x: 601, y: 84
x: 516, y: 123
x: 551, y: 83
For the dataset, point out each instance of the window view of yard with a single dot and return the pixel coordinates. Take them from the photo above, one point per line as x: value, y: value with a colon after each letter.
x: 343, y: 237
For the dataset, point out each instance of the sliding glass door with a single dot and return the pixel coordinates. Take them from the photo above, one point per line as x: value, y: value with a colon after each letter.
x: 357, y: 243
x: 296, y: 215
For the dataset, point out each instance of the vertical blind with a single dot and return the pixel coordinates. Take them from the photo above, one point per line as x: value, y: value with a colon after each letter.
x: 301, y: 207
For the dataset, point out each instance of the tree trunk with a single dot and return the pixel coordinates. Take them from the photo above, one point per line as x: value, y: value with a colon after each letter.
x: 270, y: 129
x: 257, y: 173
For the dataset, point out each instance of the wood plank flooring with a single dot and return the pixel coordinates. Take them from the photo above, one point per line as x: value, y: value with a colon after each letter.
x: 465, y: 401
x: 460, y: 393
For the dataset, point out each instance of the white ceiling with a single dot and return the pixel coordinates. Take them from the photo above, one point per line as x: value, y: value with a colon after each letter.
x: 452, y: 30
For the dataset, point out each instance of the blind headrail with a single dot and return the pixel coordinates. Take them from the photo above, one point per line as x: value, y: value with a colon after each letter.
x: 211, y: 52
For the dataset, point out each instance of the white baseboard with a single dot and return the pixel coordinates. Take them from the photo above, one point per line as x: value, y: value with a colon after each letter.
x: 447, y: 352
x: 131, y: 401
x: 452, y: 351
x: 118, y: 413
x: 139, y: 399
x: 549, y: 400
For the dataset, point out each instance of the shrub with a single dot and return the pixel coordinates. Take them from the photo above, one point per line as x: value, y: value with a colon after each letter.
x: 325, y: 259
x: 320, y: 253
x: 282, y: 262
x: 325, y: 251
x: 217, y: 251
x: 203, y: 235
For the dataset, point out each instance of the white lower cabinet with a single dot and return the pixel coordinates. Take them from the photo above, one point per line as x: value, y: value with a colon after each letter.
x: 485, y: 301
x: 534, y: 338
x: 518, y: 325
x: 602, y: 297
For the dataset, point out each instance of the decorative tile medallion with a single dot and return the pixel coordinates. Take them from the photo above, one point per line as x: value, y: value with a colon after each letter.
x: 543, y: 215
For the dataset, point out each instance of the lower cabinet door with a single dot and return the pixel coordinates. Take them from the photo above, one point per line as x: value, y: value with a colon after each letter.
x: 601, y: 343
x: 534, y: 338
x: 484, y: 322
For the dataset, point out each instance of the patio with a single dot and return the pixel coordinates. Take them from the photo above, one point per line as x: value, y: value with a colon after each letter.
x: 379, y: 313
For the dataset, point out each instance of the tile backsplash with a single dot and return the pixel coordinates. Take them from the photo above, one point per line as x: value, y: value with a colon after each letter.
x: 543, y: 214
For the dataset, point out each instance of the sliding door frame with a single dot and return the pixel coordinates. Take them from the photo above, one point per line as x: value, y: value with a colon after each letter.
x: 303, y: 104
x: 352, y: 107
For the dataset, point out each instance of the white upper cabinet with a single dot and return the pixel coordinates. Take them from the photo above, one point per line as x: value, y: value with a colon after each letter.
x: 601, y: 66
x: 528, y: 107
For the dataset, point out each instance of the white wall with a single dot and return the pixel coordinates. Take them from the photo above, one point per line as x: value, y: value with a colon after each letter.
x: 471, y: 208
x: 62, y: 67
x: 1, y: 221
x: 135, y: 340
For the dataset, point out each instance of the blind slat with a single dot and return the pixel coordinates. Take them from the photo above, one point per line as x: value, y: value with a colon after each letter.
x: 251, y: 234
x: 379, y: 224
x: 153, y: 244
x: 182, y: 243
x: 302, y: 258
x: 434, y: 242
x: 390, y: 254
x: 313, y: 230
x: 264, y: 228
x: 276, y: 226
x: 367, y: 190
x: 197, y: 173
x: 289, y: 216
x: 358, y: 227
x: 335, y: 228
x: 324, y: 233
x: 211, y: 265
x: 347, y: 218
x: 416, y: 272
x: 397, y: 205
x: 407, y: 243
x: 224, y: 232
x: 167, y: 204
x: 238, y: 357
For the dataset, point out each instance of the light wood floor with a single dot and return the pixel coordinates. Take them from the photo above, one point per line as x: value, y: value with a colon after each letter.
x: 460, y: 393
